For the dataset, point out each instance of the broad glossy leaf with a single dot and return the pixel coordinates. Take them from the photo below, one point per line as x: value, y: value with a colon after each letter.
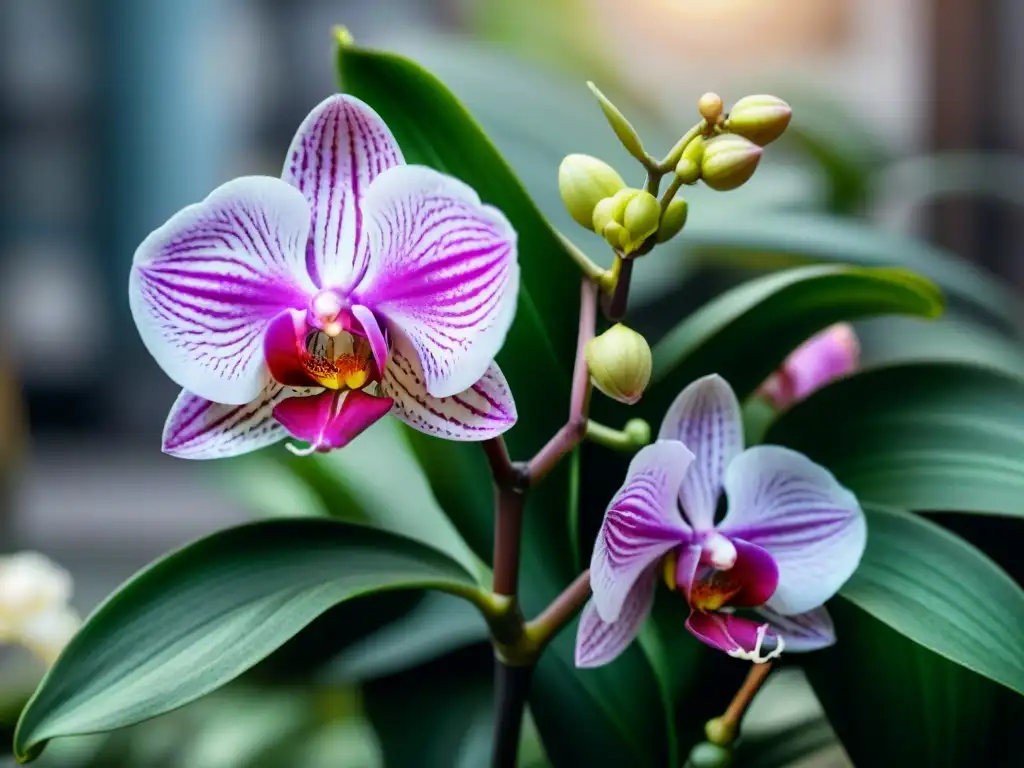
x: 536, y: 359
x: 437, y: 625
x: 941, y: 592
x: 893, y: 702
x: 746, y: 332
x: 922, y: 436
x: 775, y: 239
x: 201, y: 616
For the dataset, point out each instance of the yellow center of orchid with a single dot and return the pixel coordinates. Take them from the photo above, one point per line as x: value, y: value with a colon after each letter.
x: 338, y: 361
x: 709, y: 592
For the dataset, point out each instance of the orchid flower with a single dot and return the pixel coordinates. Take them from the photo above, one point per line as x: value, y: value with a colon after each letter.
x: 34, y: 604
x: 790, y: 538
x: 315, y: 304
x: 825, y: 357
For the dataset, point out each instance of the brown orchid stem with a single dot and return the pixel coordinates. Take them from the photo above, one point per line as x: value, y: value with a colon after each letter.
x: 745, y: 695
x: 570, y: 435
x: 543, y: 629
x: 515, y: 650
x: 615, y: 308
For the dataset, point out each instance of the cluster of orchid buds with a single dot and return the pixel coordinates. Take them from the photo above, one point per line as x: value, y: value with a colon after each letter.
x: 723, y: 150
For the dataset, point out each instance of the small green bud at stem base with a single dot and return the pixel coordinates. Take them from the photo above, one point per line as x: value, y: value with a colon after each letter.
x: 583, y: 182
x: 619, y: 361
x: 729, y: 161
x: 672, y: 220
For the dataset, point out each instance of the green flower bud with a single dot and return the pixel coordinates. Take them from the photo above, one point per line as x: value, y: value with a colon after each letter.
x: 638, y: 431
x: 688, y: 167
x: 720, y: 732
x: 672, y: 220
x: 619, y: 361
x: 583, y: 182
x: 729, y: 161
x: 762, y: 119
x: 706, y: 755
x: 623, y: 128
x: 640, y: 219
x: 612, y: 209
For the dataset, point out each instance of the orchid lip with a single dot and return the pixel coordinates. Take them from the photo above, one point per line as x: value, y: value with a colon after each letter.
x: 755, y: 655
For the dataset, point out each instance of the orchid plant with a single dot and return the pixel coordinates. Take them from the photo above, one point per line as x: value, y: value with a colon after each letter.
x: 306, y: 308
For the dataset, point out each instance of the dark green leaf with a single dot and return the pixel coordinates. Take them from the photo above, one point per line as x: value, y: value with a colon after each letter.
x: 922, y: 436
x: 782, y: 747
x: 626, y: 723
x: 437, y: 625
x: 941, y: 592
x: 203, y: 615
x: 893, y: 702
x: 745, y: 333
x: 775, y: 239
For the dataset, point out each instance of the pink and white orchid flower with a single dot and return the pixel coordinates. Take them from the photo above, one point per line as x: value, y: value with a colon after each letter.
x: 790, y: 539
x: 823, y: 358
x: 314, y: 304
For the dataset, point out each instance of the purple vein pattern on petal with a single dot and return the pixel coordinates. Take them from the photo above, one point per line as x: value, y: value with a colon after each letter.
x: 442, y: 271
x: 484, y: 410
x: 341, y: 147
x: 813, y: 526
x: 640, y: 526
x: 200, y: 429
x: 706, y: 419
x: 204, y: 286
x: 803, y: 632
x: 599, y: 642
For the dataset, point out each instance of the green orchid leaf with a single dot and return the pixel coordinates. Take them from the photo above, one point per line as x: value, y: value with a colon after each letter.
x: 748, y: 331
x: 770, y: 240
x: 922, y: 436
x: 893, y: 702
x: 201, y: 616
x: 627, y: 722
x: 938, y: 590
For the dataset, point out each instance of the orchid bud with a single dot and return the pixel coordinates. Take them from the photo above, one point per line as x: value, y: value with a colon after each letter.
x: 762, y: 118
x: 641, y: 219
x: 624, y: 130
x: 583, y: 182
x: 688, y: 167
x: 720, y: 731
x: 612, y: 209
x: 707, y: 755
x: 825, y: 357
x: 638, y: 431
x: 729, y: 161
x: 672, y: 220
x: 710, y: 107
x: 619, y: 361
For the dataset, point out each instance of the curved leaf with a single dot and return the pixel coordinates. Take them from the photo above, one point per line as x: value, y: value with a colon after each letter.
x: 941, y: 592
x: 201, y: 616
x: 936, y: 713
x: 746, y: 332
x: 922, y: 436
x: 626, y: 723
x: 772, y: 239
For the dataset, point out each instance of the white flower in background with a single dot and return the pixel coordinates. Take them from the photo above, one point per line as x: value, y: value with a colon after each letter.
x: 34, y: 609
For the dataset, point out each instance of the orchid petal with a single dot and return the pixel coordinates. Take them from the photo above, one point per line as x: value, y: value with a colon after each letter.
x: 640, y: 526
x: 705, y: 417
x: 810, y: 631
x: 813, y: 526
x: 829, y: 355
x: 204, y: 285
x: 736, y: 635
x: 340, y: 148
x: 599, y: 642
x: 442, y: 272
x: 283, y: 348
x: 331, y: 419
x: 482, y: 411
x: 371, y: 328
x: 197, y: 428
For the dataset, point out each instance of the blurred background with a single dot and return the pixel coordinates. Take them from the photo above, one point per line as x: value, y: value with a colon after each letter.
x: 116, y: 113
